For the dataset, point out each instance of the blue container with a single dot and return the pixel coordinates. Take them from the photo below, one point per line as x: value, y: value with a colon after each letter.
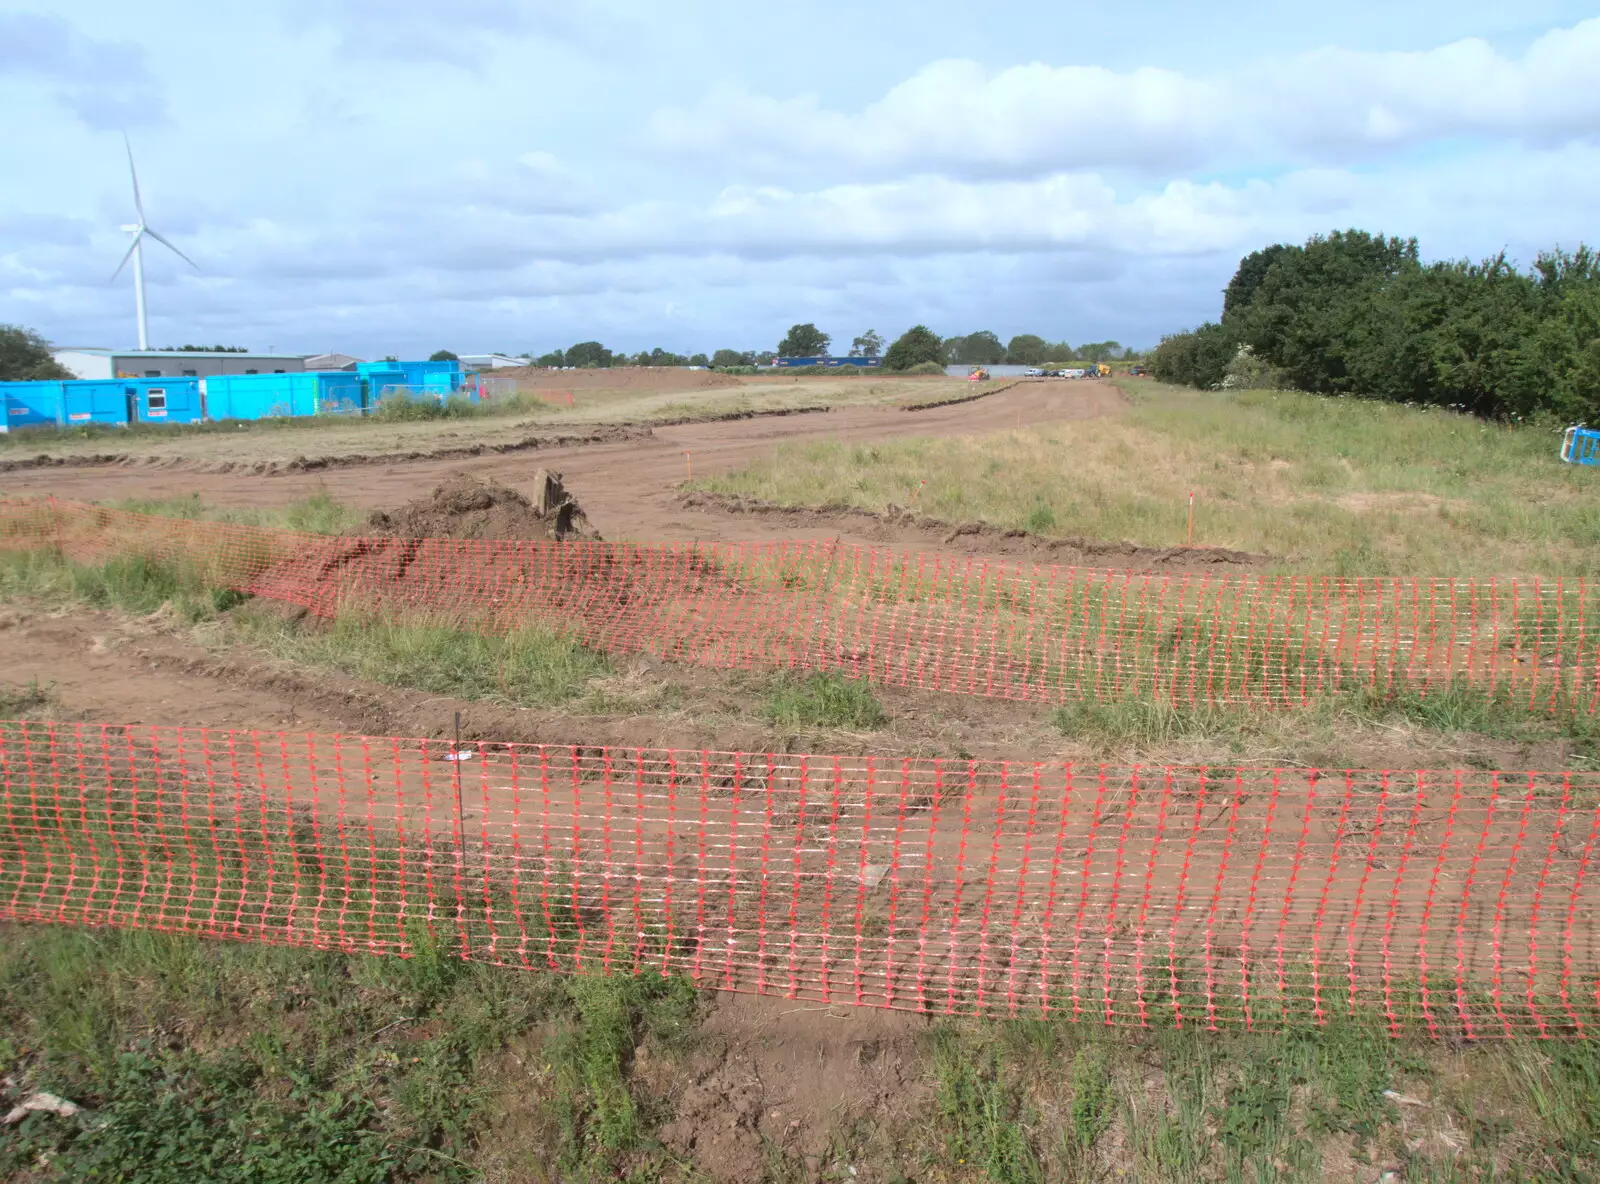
x: 434, y: 378
x: 1581, y: 446
x: 31, y: 404
x: 110, y: 400
x: 133, y: 400
x: 383, y: 379
x: 261, y: 396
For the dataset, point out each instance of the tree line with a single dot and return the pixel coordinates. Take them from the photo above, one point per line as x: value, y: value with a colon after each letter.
x: 917, y: 346
x: 1353, y: 313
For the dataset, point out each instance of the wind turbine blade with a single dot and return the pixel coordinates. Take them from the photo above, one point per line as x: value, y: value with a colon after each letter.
x: 134, y: 246
x: 138, y: 202
x: 170, y: 247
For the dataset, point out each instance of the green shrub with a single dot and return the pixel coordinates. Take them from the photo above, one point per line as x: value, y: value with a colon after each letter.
x: 824, y: 700
x: 402, y: 407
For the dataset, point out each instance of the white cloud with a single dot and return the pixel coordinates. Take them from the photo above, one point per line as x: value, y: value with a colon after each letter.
x: 106, y: 84
x: 1326, y: 106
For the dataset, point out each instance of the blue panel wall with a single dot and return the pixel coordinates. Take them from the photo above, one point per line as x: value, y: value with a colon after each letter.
x: 258, y: 396
x: 99, y: 400
x: 438, y: 378
x: 29, y: 404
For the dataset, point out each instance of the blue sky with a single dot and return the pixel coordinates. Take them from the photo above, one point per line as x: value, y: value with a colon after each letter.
x: 395, y: 176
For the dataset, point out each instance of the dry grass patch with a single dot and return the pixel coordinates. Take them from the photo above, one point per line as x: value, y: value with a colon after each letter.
x: 1339, y: 486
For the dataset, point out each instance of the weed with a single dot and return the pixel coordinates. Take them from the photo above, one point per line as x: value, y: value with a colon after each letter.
x: 1092, y: 1104
x: 982, y: 1112
x: 24, y: 701
x: 824, y: 700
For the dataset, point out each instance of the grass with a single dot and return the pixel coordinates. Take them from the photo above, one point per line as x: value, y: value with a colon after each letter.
x: 222, y: 1061
x: 1460, y: 708
x: 531, y: 667
x: 1331, y: 486
x: 317, y: 513
x: 215, y: 1061
x: 1027, y: 1101
x: 823, y: 700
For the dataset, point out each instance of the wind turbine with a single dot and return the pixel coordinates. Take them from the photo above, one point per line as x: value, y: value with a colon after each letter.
x: 136, y: 252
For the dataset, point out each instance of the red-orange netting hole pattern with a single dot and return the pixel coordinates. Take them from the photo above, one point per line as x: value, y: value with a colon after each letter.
x: 1450, y: 903
x: 969, y: 626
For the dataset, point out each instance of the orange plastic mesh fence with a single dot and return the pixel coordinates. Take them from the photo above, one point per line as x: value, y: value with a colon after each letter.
x: 971, y: 626
x: 1441, y: 903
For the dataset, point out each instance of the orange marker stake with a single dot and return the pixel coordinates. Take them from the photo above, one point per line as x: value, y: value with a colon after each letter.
x: 1191, y: 518
x: 688, y: 469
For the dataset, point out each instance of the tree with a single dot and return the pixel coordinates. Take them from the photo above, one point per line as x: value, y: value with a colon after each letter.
x: 589, y: 354
x: 804, y: 341
x: 443, y: 355
x: 25, y: 356
x: 916, y: 345
x: 698, y: 360
x: 1099, y: 351
x: 982, y: 348
x: 724, y: 358
x: 554, y: 359
x: 868, y: 345
x: 1027, y: 350
x: 1198, y: 358
x: 659, y: 357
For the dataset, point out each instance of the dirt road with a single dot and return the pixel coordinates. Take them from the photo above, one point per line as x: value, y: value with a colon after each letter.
x: 628, y: 488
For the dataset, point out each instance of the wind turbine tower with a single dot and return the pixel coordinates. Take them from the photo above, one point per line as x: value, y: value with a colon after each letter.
x: 140, y: 230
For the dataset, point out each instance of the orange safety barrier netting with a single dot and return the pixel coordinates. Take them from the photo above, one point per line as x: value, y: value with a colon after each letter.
x: 1441, y: 903
x: 972, y: 626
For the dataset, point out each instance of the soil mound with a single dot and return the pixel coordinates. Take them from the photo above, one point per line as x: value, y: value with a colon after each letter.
x: 468, y: 507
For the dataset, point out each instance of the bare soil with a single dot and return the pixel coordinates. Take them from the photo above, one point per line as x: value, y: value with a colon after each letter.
x: 776, y: 1078
x: 629, y: 486
x: 467, y: 507
x: 621, y: 378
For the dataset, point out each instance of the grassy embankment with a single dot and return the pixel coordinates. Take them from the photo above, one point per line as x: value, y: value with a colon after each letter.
x: 1333, y: 486
x: 212, y: 1060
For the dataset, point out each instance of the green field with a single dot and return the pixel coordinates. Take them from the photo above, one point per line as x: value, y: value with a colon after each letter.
x: 1326, y: 486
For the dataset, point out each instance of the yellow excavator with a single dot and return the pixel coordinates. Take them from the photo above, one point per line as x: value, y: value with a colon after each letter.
x: 978, y: 374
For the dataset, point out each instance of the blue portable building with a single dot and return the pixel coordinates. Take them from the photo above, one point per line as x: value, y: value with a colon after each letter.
x: 30, y: 404
x: 109, y: 400
x: 259, y: 396
x: 383, y: 378
x: 435, y: 378
x: 133, y: 400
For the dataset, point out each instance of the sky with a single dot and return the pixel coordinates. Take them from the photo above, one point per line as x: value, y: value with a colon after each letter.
x: 398, y: 176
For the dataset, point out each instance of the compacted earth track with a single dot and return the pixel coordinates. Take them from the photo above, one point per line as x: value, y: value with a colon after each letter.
x: 628, y: 487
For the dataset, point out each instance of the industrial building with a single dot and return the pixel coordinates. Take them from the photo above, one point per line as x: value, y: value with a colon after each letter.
x: 89, y: 362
